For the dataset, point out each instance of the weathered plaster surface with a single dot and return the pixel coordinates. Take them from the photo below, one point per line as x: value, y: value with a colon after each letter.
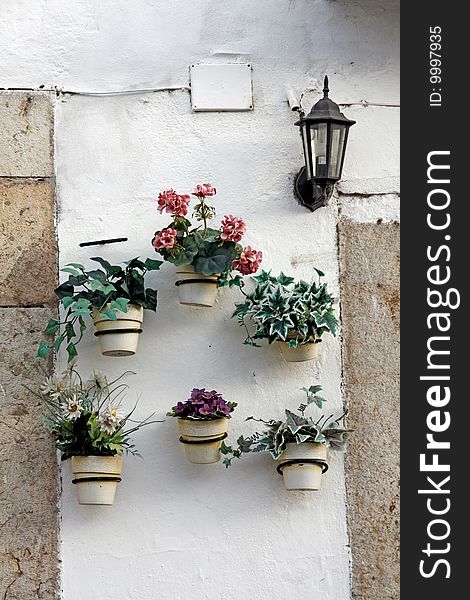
x: 370, y: 303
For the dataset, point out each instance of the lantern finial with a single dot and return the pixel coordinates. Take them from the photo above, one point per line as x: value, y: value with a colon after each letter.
x: 325, y: 87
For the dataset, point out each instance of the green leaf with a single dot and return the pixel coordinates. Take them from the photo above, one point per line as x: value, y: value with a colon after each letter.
x: 313, y: 389
x: 150, y: 299
x: 96, y: 284
x: 214, y: 259
x: 280, y: 327
x: 71, y: 270
x: 43, y: 349
x: 153, y: 265
x: 320, y: 273
x: 285, y: 280
x: 79, y: 311
x: 69, y: 331
x: 97, y: 274
x: 327, y: 320
x: 294, y: 422
x: 51, y: 328
x: 134, y: 263
x: 82, y: 324
x: 65, y: 289
x: 120, y: 304
x: 57, y: 342
x: 104, y: 263
x: 67, y: 301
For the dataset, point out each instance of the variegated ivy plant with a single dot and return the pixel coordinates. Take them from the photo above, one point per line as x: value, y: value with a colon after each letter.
x: 104, y: 291
x: 295, y: 428
x: 282, y: 309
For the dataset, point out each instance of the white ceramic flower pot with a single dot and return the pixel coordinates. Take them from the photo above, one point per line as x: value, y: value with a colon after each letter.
x: 197, y: 437
x: 195, y: 289
x: 303, y: 352
x: 297, y: 472
x: 96, y: 478
x: 119, y: 337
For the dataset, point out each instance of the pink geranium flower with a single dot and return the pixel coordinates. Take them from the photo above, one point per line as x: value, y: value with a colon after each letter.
x: 232, y: 228
x: 248, y: 262
x: 204, y: 189
x: 165, y: 239
x: 171, y: 202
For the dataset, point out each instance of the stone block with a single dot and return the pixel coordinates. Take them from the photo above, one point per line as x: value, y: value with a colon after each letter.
x: 370, y: 296
x: 28, y: 257
x: 29, y: 564
x: 26, y: 134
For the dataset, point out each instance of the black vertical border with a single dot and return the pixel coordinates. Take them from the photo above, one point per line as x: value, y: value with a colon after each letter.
x: 424, y: 129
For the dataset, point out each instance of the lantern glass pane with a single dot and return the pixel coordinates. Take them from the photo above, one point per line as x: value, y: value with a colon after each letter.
x: 304, y: 130
x: 338, y: 133
x: 319, y: 135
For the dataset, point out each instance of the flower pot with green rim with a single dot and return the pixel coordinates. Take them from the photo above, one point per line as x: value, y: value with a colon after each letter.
x: 301, y: 353
x: 194, y: 288
x: 96, y: 478
x: 120, y: 336
x: 202, y: 439
x: 302, y: 465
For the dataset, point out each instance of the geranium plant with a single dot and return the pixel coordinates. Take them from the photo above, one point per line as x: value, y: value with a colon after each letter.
x: 99, y: 292
x: 210, y: 251
x: 86, y: 417
x: 283, y: 310
x: 203, y: 405
x: 295, y: 428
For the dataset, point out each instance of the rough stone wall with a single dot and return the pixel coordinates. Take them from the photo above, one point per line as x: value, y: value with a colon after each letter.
x: 29, y: 564
x: 370, y: 296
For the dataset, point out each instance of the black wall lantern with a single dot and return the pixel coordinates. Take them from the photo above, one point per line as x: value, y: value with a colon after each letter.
x: 324, y: 133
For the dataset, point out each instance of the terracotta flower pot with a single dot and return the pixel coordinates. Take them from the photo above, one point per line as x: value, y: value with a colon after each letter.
x: 119, y: 337
x: 301, y: 353
x: 202, y: 439
x: 302, y: 466
x: 194, y: 288
x: 96, y: 478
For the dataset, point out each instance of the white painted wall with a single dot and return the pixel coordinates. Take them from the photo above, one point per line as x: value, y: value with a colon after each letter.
x: 179, y: 530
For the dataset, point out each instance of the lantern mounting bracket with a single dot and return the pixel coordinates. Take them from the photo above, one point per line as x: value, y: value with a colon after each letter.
x: 311, y: 194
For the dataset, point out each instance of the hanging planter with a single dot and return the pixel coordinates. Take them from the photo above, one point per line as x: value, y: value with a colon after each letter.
x: 298, y: 443
x: 202, y: 425
x: 302, y: 465
x: 119, y: 336
x: 96, y: 478
x: 202, y: 439
x: 194, y: 288
x: 85, y: 417
x: 114, y: 297
x: 301, y: 352
x: 204, y: 257
x: 293, y: 314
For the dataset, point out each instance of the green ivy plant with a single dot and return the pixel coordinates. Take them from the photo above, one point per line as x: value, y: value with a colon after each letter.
x: 282, y: 309
x: 104, y: 291
x: 295, y: 428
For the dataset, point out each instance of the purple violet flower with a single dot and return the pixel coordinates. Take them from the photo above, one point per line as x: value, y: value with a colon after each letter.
x: 205, y: 405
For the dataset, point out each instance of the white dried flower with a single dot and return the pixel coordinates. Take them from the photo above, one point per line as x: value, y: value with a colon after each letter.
x: 73, y: 408
x: 110, y: 420
x: 54, y: 386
